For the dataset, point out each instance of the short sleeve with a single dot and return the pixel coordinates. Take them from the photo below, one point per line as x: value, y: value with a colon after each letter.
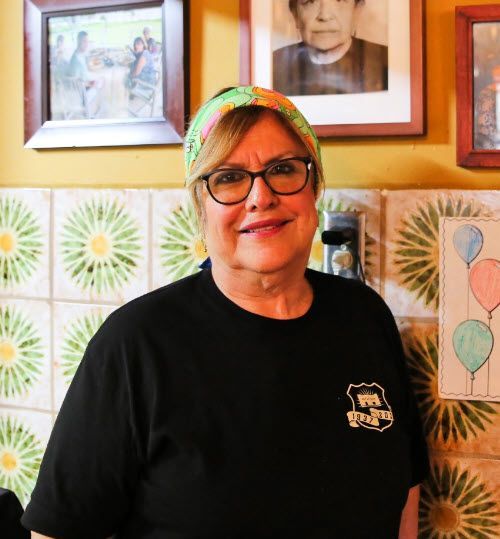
x: 90, y: 467
x: 412, y: 423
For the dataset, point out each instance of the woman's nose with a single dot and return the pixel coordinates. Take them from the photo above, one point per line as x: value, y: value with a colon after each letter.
x: 260, y: 196
x: 325, y: 10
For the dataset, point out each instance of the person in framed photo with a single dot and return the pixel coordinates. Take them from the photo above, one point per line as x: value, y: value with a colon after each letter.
x: 329, y: 59
x: 88, y: 85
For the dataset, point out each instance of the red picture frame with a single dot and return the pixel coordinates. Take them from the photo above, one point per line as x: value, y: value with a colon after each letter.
x: 41, y: 132
x: 416, y: 125
x: 468, y: 154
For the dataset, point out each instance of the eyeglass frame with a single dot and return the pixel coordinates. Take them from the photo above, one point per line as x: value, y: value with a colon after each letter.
x: 307, y: 160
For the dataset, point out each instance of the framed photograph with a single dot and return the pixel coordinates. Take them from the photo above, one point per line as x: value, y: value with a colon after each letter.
x: 478, y: 85
x: 104, y: 72
x: 353, y: 67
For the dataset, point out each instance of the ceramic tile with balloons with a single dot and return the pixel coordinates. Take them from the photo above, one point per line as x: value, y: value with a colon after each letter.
x: 469, y: 318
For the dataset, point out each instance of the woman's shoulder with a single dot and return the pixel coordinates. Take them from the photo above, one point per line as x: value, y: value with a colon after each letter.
x: 348, y: 291
x: 161, y: 307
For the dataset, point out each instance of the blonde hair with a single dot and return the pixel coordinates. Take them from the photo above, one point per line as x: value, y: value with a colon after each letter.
x: 223, y: 139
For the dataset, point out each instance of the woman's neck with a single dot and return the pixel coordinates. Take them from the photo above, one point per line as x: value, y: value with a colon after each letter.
x: 278, y: 295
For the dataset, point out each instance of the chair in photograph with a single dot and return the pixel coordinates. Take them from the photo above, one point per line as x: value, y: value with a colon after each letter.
x: 75, y: 99
x: 71, y: 99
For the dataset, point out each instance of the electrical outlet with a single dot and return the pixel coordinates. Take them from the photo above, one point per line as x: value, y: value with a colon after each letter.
x: 344, y: 243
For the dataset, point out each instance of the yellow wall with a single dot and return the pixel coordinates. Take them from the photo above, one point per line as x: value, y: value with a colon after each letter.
x: 424, y: 162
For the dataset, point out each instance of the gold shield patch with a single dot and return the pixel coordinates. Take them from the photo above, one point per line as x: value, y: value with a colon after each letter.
x: 370, y: 407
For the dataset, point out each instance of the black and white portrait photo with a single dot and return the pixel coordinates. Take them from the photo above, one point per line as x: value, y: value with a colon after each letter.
x: 329, y: 46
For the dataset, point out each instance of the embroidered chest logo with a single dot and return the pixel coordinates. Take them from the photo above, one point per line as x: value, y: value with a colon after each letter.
x: 370, y: 409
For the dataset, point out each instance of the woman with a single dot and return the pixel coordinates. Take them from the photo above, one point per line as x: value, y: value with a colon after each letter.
x: 221, y: 406
x: 329, y: 59
x: 142, y: 67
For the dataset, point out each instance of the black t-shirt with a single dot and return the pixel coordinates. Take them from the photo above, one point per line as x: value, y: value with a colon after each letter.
x: 190, y: 417
x: 362, y: 69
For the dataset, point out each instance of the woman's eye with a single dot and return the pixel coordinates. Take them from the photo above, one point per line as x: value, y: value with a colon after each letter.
x: 282, y: 169
x: 229, y: 176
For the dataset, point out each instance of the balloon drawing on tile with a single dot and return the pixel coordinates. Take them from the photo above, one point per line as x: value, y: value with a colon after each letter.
x: 485, y: 284
x: 416, y: 255
x: 21, y: 352
x: 181, y: 247
x: 468, y: 242
x: 77, y: 336
x: 445, y: 421
x: 455, y: 502
x: 472, y: 342
x: 100, y: 245
x: 21, y: 242
x: 20, y: 457
x: 467, y: 324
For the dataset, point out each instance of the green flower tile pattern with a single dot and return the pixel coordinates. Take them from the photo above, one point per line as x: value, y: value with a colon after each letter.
x: 416, y: 254
x: 100, y: 246
x: 456, y: 504
x: 21, y: 352
x: 181, y: 249
x: 444, y: 420
x: 21, y: 244
x: 20, y: 457
x: 75, y: 342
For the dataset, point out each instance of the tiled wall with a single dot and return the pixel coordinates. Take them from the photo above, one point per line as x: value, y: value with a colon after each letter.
x: 69, y: 257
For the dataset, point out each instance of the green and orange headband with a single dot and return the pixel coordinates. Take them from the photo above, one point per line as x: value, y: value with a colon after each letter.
x: 241, y: 96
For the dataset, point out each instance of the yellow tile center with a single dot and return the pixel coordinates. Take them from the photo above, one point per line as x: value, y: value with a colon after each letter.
x: 99, y: 245
x: 9, y: 461
x: 7, y: 352
x: 445, y: 517
x: 6, y: 242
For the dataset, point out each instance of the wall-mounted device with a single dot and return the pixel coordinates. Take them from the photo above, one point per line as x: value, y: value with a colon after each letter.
x: 344, y: 243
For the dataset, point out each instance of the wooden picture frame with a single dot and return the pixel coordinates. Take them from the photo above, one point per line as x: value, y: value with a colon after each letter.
x: 478, y: 141
x: 166, y: 127
x: 410, y: 122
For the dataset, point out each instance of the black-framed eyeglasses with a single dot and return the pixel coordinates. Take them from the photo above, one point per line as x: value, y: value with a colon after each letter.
x: 283, y: 177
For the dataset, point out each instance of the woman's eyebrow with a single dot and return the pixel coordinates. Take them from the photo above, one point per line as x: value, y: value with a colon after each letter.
x: 278, y: 157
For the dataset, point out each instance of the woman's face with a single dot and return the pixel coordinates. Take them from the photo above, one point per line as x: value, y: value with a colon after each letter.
x: 325, y: 24
x: 266, y: 232
x: 139, y: 46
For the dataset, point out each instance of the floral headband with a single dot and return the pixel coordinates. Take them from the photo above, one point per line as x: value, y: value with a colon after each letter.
x: 241, y: 96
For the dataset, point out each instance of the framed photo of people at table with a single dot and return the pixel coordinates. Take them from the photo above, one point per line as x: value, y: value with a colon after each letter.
x: 478, y: 85
x: 355, y: 67
x: 104, y: 72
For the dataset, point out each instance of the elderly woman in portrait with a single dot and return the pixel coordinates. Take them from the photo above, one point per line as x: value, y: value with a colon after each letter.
x: 329, y: 59
x: 254, y: 399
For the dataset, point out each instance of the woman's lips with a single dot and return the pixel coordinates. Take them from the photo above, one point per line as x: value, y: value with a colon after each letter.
x: 264, y: 228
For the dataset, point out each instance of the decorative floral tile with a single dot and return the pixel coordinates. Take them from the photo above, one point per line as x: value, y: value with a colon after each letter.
x: 362, y: 200
x: 74, y: 325
x: 24, y: 242
x: 411, y: 286
x: 460, y: 499
x: 451, y: 425
x: 23, y: 438
x: 177, y: 247
x: 25, y: 353
x: 100, y: 244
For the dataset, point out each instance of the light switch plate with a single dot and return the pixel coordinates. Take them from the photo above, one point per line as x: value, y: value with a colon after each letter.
x: 345, y: 257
